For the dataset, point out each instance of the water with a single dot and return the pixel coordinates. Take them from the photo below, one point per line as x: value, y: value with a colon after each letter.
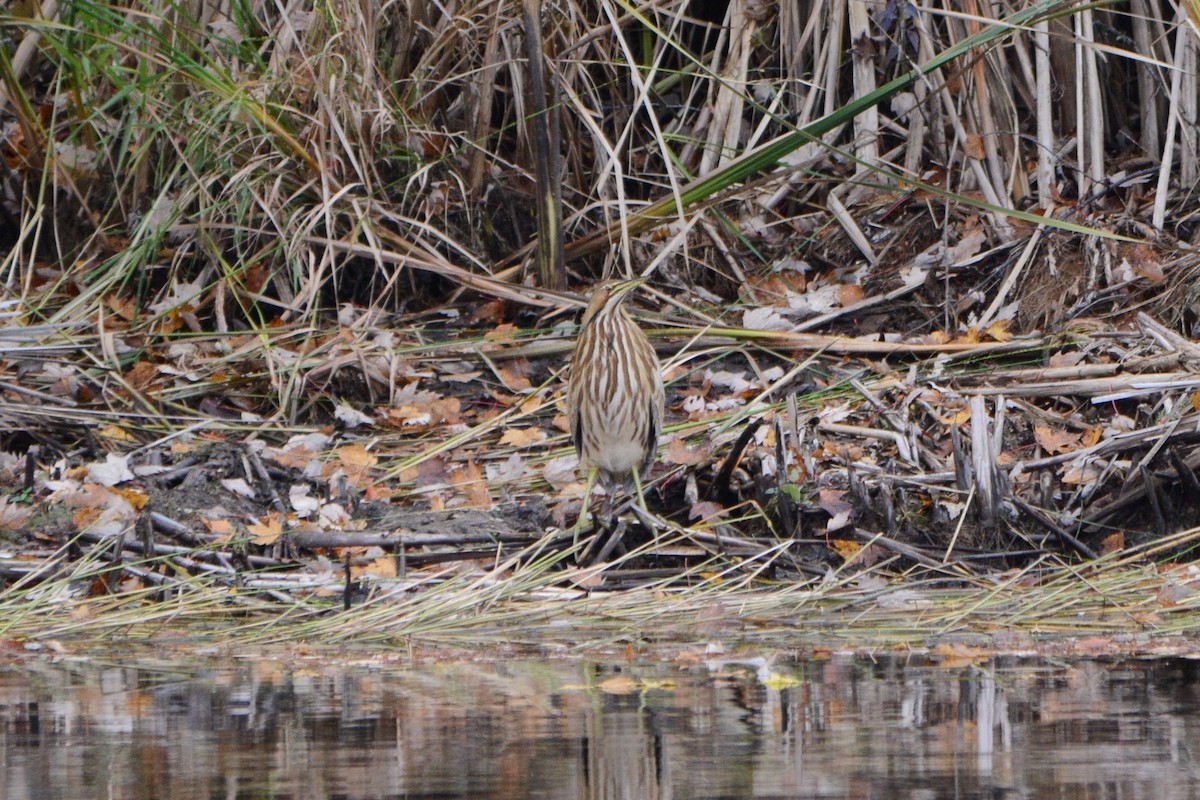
x: 838, y: 728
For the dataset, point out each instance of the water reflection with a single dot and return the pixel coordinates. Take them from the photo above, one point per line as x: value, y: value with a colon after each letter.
x: 840, y: 728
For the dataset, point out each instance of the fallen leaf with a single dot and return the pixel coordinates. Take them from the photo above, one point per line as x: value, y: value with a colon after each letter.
x: 523, y: 437
x: 239, y: 487
x: 1081, y: 472
x: 351, y: 417
x: 503, y: 331
x: 462, y: 377
x: 679, y: 453
x: 706, y: 510
x: 334, y: 515
x: 114, y: 470
x: 765, y: 319
x: 300, y: 500
x: 506, y: 471
x: 974, y: 146
x: 957, y: 419
x: 266, y: 532
x: 833, y: 501
x: 559, y: 472
x: 491, y: 311
x: 130, y: 583
x: 1053, y: 441
x: 426, y: 411
x: 142, y: 375
x: 1113, y: 543
x: 356, y: 461
x: 1066, y: 359
x: 734, y: 381
x: 514, y: 379
x: 381, y: 565
x: 113, y: 433
x: 846, y: 548
x: 14, y: 516
x: 471, y: 480
x: 219, y: 527
x: 1173, y: 594
x: 849, y: 294
x: 999, y: 330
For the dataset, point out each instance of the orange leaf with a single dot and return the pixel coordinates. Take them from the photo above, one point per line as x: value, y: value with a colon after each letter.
x: 1053, y: 441
x: 503, y: 331
x: 124, y: 307
x: 355, y: 455
x: 974, y: 146
x: 523, y: 437
x: 845, y: 548
x: 849, y: 294
x: 384, y: 567
x: 958, y: 419
x: 142, y: 375
x: 514, y: 379
x: 266, y: 532
x: 426, y: 413
x: 470, y: 478
x: 137, y: 498
x: 221, y: 527
x: 492, y: 311
x: 131, y: 583
x: 999, y: 330
x: 1146, y: 263
x: 356, y: 461
x: 86, y: 517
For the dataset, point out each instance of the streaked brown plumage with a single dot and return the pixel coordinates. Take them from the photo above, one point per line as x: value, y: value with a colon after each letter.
x: 615, y: 397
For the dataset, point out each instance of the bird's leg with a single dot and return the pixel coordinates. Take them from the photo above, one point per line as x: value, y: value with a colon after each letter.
x: 587, y: 497
x: 641, y: 498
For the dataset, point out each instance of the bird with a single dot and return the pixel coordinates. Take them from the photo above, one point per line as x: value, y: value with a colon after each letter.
x: 615, y: 395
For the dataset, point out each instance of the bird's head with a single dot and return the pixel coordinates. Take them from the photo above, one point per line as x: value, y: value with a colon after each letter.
x: 609, y: 296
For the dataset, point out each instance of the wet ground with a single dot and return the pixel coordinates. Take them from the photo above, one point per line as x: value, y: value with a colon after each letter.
x: 836, y: 728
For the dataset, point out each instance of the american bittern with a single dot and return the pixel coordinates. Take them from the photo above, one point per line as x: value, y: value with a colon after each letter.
x: 615, y: 396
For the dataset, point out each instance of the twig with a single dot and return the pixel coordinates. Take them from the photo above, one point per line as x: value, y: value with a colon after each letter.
x: 1065, y: 536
